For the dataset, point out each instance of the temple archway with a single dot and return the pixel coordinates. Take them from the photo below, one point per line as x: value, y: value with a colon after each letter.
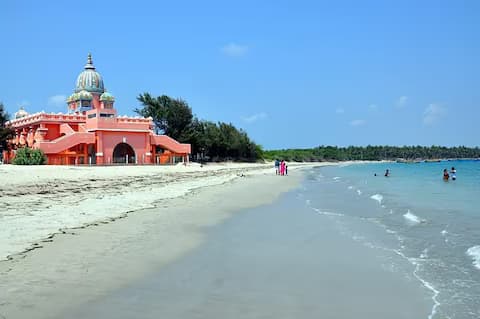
x: 123, y: 153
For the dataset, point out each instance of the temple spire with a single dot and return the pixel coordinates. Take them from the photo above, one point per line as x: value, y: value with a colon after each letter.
x: 89, y: 64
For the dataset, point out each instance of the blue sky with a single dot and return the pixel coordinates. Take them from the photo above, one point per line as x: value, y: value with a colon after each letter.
x: 291, y: 73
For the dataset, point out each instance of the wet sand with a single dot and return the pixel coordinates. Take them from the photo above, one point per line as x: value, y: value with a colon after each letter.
x: 275, y: 261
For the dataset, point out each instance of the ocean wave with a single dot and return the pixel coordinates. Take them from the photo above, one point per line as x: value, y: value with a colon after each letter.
x: 377, y: 197
x: 412, y: 218
x: 336, y: 178
x: 359, y: 192
x: 417, y: 264
x: 350, y: 187
x: 474, y: 252
x: 444, y: 232
x: 327, y: 213
x: 424, y: 253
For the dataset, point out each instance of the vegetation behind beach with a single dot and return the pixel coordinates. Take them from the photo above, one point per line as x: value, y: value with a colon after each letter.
x: 372, y: 153
x: 210, y: 141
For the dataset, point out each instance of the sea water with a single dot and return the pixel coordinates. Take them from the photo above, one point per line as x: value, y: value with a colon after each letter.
x: 431, y: 223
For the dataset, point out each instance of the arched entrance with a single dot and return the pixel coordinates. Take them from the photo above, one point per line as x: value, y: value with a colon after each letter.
x: 123, y: 153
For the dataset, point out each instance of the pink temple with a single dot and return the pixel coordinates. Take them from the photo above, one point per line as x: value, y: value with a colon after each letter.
x: 92, y: 132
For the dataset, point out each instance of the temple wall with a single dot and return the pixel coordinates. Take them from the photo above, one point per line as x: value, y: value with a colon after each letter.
x: 53, y: 131
x: 138, y: 141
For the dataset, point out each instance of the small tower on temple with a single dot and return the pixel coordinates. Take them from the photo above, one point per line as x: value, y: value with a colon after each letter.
x: 106, y: 100
x: 21, y: 113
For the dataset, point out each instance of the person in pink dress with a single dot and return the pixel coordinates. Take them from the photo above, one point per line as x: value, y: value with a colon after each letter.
x: 282, y: 168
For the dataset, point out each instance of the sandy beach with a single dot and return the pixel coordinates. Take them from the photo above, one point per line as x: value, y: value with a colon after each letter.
x: 68, y: 213
x: 220, y: 241
x: 39, y: 201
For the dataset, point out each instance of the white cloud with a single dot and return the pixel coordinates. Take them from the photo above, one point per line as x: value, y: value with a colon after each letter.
x: 57, y: 100
x: 340, y: 110
x: 255, y: 117
x: 401, y: 101
x: 234, y: 49
x: 358, y: 122
x: 433, y: 113
x: 372, y: 107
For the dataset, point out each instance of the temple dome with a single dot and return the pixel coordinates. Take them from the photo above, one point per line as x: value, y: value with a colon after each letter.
x: 90, y: 80
x: 107, y: 97
x: 72, y: 97
x: 21, y: 113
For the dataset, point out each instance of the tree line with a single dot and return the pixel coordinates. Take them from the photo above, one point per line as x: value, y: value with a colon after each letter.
x: 372, y: 153
x: 210, y: 141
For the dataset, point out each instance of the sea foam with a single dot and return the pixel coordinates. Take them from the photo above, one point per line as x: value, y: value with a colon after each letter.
x: 327, y: 213
x: 377, y: 197
x: 359, y: 192
x: 412, y: 218
x: 474, y: 252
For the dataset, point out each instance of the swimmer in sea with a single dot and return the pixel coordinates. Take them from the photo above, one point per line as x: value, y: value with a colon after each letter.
x: 387, y: 173
x: 445, y: 175
x: 453, y: 172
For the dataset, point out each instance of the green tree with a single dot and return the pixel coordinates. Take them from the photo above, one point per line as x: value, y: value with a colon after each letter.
x: 172, y: 117
x: 6, y: 133
x: 212, y: 141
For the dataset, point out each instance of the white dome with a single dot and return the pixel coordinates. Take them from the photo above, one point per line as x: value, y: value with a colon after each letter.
x: 21, y: 113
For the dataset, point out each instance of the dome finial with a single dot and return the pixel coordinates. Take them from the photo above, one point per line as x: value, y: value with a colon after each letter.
x: 89, y: 64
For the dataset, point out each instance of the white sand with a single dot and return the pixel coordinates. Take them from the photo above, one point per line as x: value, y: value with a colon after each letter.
x: 38, y: 201
x: 72, y: 270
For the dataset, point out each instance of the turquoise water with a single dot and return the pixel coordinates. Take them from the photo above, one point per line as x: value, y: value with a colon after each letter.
x: 433, y: 224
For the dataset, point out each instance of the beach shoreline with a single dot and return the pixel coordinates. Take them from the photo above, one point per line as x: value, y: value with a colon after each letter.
x: 75, y: 264
x: 86, y: 263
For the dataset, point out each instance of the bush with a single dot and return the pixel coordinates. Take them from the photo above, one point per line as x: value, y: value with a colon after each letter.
x: 28, y: 156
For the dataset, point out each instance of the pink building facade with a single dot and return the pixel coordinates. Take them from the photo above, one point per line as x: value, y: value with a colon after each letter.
x: 92, y: 132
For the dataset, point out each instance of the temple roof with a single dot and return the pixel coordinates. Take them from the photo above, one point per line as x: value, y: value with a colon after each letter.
x: 90, y: 80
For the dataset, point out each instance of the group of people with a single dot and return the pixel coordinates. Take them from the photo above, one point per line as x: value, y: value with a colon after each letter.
x: 387, y: 173
x: 281, y: 167
x: 446, y: 174
x: 453, y: 174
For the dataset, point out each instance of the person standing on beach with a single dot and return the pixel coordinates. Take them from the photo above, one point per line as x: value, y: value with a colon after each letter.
x: 282, y: 168
x: 277, y: 167
x: 286, y: 169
